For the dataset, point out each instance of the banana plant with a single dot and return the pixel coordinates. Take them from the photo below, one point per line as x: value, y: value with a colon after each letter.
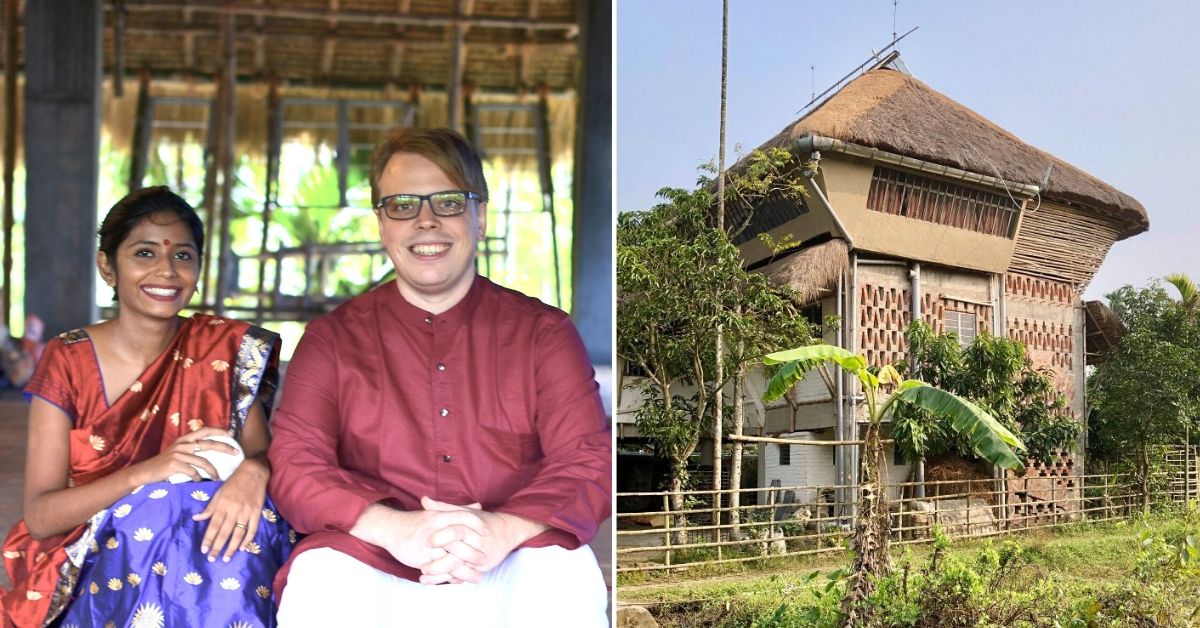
x: 883, y: 391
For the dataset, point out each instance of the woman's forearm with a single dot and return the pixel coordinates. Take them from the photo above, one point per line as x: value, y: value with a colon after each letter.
x: 59, y: 511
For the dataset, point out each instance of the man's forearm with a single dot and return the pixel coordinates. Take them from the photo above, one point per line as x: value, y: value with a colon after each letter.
x: 519, y: 529
x: 376, y: 525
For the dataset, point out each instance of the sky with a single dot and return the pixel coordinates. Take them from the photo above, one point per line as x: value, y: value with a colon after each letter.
x: 1110, y: 87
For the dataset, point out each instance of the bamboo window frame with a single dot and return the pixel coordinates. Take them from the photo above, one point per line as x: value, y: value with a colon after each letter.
x: 941, y: 202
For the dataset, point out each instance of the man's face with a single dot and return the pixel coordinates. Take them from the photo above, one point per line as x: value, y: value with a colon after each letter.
x: 434, y: 255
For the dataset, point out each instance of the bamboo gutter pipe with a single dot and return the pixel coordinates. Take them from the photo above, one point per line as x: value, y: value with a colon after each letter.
x: 815, y: 143
x: 792, y: 441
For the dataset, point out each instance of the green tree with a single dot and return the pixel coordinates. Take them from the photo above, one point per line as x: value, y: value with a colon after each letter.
x: 997, y: 375
x: 1145, y: 394
x: 988, y: 438
x: 679, y: 281
x: 1189, y: 295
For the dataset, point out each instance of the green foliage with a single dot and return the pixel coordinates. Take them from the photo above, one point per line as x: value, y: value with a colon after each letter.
x: 996, y: 375
x: 1146, y: 393
x: 679, y: 281
x: 1084, y: 576
x: 1189, y: 295
x: 987, y: 437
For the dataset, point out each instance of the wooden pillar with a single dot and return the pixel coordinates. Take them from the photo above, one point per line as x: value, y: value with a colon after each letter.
x: 274, y: 142
x: 62, y: 131
x: 592, y: 221
x: 455, y: 84
x: 11, y: 11
x: 227, y: 102
x: 143, y: 128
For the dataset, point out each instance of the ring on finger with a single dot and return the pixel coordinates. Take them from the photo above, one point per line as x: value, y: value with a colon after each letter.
x: 196, y: 451
x: 240, y: 525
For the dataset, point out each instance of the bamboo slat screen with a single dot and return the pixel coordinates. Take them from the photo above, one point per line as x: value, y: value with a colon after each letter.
x: 1064, y: 243
x: 772, y: 212
x: 923, y: 198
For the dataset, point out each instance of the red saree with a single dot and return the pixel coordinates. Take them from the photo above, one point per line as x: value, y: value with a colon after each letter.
x: 209, y: 375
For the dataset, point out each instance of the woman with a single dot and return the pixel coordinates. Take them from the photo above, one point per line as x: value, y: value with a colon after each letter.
x: 119, y: 407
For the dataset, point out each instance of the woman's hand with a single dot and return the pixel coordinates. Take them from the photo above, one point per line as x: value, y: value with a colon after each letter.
x: 234, y: 512
x: 181, y: 457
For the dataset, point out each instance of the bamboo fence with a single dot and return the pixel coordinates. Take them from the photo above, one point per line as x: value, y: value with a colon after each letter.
x: 766, y: 525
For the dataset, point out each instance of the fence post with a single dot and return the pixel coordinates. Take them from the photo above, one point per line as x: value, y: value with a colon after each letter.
x: 968, y: 506
x: 718, y: 503
x: 667, y: 527
x: 1054, y: 501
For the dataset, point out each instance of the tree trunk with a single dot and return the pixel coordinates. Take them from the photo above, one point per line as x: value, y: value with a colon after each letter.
x: 1145, y: 479
x: 871, y: 532
x: 678, y: 522
x: 735, y: 462
x: 718, y: 433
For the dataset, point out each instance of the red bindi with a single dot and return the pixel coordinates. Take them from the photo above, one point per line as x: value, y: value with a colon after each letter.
x: 166, y: 243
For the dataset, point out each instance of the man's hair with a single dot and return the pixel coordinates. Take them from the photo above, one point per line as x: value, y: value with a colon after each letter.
x: 445, y: 147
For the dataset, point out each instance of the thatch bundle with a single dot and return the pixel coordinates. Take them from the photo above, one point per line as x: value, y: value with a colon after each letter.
x: 812, y: 272
x: 1104, y: 331
x: 952, y: 475
x: 895, y: 112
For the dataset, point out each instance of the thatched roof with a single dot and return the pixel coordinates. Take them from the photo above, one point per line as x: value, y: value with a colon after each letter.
x: 1104, y: 331
x: 895, y: 112
x: 812, y: 271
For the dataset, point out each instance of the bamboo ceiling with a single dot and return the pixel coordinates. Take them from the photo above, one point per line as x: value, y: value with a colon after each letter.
x: 507, y: 45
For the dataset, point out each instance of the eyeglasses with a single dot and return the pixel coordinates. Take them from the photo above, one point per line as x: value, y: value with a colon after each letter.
x: 408, y: 206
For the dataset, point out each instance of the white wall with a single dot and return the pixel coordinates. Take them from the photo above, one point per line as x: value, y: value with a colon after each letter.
x: 811, y: 466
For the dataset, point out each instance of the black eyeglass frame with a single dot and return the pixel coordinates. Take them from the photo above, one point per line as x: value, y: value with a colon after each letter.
x: 427, y: 199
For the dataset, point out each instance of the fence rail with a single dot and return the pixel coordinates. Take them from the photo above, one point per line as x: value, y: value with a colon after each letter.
x: 685, y: 531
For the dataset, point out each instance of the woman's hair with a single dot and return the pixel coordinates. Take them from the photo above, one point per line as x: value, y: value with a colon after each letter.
x: 136, y: 207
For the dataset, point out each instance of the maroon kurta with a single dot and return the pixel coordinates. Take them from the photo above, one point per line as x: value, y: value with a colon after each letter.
x: 493, y: 401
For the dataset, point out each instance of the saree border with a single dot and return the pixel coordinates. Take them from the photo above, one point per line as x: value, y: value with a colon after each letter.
x: 253, y: 376
x: 68, y: 572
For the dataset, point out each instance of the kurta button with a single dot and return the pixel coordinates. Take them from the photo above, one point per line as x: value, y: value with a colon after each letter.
x: 446, y: 458
x: 443, y: 412
x: 428, y: 320
x: 441, y: 367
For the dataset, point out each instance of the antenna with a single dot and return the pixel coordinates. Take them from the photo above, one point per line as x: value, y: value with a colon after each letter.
x: 895, y: 3
x: 874, y: 62
x: 1046, y: 177
x: 813, y: 70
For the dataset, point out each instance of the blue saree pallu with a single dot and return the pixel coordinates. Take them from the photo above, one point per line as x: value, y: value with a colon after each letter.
x: 141, y: 566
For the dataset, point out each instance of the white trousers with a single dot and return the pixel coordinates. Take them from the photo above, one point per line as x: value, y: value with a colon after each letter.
x: 546, y: 586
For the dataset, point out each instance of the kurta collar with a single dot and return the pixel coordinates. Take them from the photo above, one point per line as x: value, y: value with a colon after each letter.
x: 410, y: 314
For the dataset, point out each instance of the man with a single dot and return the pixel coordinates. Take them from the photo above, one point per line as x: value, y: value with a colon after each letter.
x: 441, y: 439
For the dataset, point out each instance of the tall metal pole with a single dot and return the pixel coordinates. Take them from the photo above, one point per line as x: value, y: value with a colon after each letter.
x: 718, y: 401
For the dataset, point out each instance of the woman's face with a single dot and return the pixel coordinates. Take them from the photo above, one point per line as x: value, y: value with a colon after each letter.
x: 156, y: 268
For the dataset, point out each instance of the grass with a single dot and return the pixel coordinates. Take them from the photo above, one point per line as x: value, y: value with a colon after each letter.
x: 1082, y: 558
